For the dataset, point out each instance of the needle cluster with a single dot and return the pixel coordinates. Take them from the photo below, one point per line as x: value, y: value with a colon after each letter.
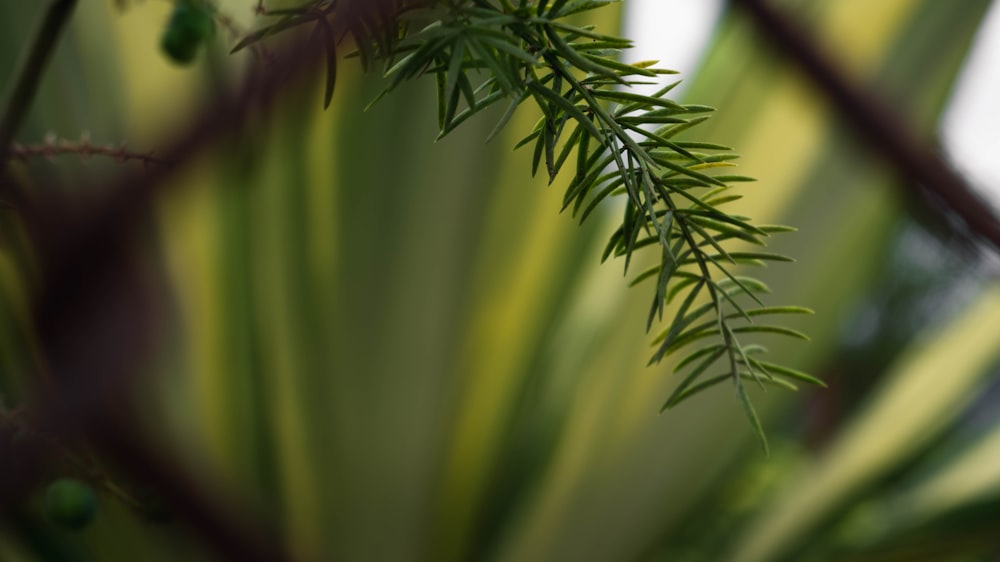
x: 615, y: 142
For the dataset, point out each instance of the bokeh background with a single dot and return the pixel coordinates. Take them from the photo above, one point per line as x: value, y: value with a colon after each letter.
x: 395, y: 349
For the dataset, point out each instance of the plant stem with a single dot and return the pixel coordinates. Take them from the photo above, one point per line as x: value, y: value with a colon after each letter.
x: 875, y: 120
x: 29, y: 73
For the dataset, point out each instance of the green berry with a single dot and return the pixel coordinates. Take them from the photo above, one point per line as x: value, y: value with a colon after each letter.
x: 70, y: 503
x: 189, y: 26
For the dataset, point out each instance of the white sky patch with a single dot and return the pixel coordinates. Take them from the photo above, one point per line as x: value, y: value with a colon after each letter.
x: 675, y: 32
x: 971, y: 123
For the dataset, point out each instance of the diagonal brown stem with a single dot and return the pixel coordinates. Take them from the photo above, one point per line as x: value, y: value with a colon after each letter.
x: 929, y: 176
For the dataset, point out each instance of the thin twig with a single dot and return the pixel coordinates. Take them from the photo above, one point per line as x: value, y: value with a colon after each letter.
x: 51, y: 147
x: 84, y: 464
x: 235, y: 32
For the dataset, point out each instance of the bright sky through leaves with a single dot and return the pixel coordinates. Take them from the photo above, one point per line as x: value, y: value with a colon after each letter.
x: 971, y: 125
x: 677, y: 32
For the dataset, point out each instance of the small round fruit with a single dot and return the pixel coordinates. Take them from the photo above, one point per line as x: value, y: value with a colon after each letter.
x: 70, y: 503
x: 189, y: 26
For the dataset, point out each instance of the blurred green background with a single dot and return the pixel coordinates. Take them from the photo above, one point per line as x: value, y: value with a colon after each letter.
x: 399, y: 349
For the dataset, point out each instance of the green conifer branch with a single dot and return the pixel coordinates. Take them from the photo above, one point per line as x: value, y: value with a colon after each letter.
x: 622, y: 143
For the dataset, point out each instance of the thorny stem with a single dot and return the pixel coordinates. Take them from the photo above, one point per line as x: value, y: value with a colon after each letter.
x: 29, y: 72
x: 83, y: 149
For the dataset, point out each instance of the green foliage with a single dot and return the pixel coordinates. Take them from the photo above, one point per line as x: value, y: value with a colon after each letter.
x: 619, y: 144
x: 448, y: 388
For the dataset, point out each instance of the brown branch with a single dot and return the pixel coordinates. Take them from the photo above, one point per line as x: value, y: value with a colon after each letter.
x: 929, y: 176
x: 93, y: 318
x: 51, y: 148
x: 236, y: 532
